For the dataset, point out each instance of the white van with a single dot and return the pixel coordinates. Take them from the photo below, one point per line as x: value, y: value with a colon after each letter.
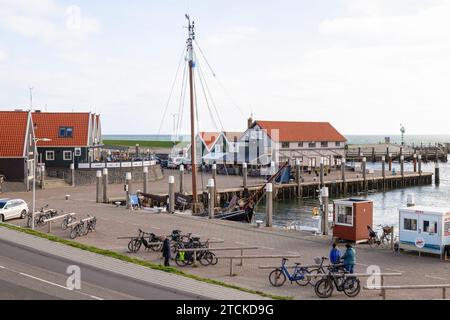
x: 12, y: 208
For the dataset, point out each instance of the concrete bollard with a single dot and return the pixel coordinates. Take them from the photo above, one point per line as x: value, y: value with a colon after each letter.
x: 383, y: 170
x: 171, y: 194
x: 182, y: 179
x: 298, y: 177
x: 42, y: 176
x: 145, y: 180
x: 105, y: 185
x: 214, y: 177
x: 419, y: 158
x: 244, y: 174
x: 128, y: 178
x: 99, y: 186
x: 137, y: 150
x: 72, y: 171
x: 410, y: 201
x: 390, y: 162
x: 269, y: 204
x: 402, y: 166
x: 322, y: 167
x: 324, y: 193
x: 364, y: 171
x: 415, y: 162
x: 344, y: 181
x: 211, y: 185
x: 437, y: 179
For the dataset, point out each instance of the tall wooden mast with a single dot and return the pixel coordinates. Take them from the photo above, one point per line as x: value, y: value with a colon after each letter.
x: 190, y: 57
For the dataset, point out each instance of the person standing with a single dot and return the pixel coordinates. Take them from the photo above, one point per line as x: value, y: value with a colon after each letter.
x: 335, y: 254
x: 166, y: 251
x: 349, y: 258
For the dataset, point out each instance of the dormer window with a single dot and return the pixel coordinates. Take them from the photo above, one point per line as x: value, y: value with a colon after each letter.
x: 65, y: 132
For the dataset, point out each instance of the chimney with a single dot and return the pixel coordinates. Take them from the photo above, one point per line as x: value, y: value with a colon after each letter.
x: 250, y: 122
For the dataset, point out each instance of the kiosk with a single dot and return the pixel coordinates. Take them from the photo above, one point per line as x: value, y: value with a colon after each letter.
x: 424, y: 229
x: 351, y: 218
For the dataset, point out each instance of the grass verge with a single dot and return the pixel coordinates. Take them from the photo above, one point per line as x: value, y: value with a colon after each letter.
x: 142, y: 143
x: 140, y: 262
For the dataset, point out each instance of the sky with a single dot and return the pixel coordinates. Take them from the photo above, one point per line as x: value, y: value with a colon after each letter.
x: 366, y: 66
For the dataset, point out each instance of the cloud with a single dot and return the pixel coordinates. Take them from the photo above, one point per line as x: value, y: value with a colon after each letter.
x: 3, y: 55
x: 232, y: 36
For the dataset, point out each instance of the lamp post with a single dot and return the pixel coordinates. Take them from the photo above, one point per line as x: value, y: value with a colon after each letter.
x: 35, y: 140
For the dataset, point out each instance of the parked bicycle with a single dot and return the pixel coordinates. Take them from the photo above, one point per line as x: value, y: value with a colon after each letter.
x: 67, y: 221
x: 205, y: 257
x: 90, y: 225
x: 278, y: 276
x: 335, y: 278
x: 376, y: 240
x: 145, y: 238
x: 43, y: 215
x: 78, y: 230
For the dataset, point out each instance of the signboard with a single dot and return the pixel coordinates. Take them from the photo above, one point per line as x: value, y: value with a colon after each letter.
x: 137, y: 164
x: 126, y: 164
x: 134, y: 200
x: 420, y: 243
x: 147, y: 163
x: 113, y: 165
x: 83, y: 166
x: 98, y: 165
x: 77, y: 152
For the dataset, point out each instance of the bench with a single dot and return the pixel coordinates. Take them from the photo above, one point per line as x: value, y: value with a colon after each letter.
x: 254, y: 257
x: 219, y: 249
x: 57, y: 218
x: 383, y: 289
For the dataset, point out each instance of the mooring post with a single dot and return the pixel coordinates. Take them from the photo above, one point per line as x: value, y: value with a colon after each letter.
x: 344, y: 182
x: 211, y: 185
x: 390, y: 161
x: 171, y: 194
x: 437, y: 179
x: 324, y: 193
x: 383, y: 170
x: 182, y: 179
x: 137, y: 150
x: 419, y: 157
x: 128, y: 188
x: 415, y: 162
x: 298, y: 176
x: 145, y: 179
x: 244, y: 174
x: 269, y: 204
x: 72, y: 171
x: 99, y: 186
x: 105, y: 185
x: 321, y: 172
x: 363, y: 165
x: 402, y: 167
x: 214, y: 177
x: 373, y: 155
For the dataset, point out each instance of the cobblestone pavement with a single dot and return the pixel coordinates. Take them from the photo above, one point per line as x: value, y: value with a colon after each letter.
x: 114, y: 222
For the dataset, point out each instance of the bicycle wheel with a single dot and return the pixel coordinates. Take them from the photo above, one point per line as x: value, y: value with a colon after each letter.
x: 301, y: 280
x: 131, y: 245
x: 213, y: 258
x: 277, y: 278
x: 74, y: 233
x: 204, y: 258
x: 352, y: 287
x: 181, y: 259
x: 314, y: 280
x: 64, y: 225
x: 324, y: 288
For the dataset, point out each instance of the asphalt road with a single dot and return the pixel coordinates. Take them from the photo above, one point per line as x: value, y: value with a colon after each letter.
x: 26, y: 274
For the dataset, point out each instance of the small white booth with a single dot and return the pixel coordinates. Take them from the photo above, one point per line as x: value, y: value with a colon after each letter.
x: 424, y: 229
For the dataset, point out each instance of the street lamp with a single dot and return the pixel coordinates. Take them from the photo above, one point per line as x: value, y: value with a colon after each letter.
x: 35, y: 140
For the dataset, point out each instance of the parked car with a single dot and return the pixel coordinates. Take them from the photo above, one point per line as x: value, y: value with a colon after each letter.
x: 174, y: 163
x: 12, y: 208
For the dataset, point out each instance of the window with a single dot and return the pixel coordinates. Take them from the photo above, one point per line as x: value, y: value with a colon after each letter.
x: 67, y: 155
x: 300, y: 144
x: 49, y: 155
x: 430, y: 227
x: 65, y: 132
x: 344, y: 215
x: 312, y: 145
x: 324, y: 144
x: 410, y: 224
x: 338, y: 143
x: 285, y: 144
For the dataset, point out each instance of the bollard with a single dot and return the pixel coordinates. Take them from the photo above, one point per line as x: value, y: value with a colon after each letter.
x: 128, y: 188
x: 145, y: 180
x: 214, y: 177
x: 437, y: 179
x: 390, y: 161
x: 244, y: 174
x: 269, y: 204
x: 410, y: 201
x: 42, y: 176
x: 324, y: 194
x: 182, y: 179
x: 419, y: 157
x: 321, y: 172
x: 392, y: 239
x: 415, y: 162
x: 171, y: 194
x: 137, y: 150
x: 105, y: 185
x: 72, y: 170
x: 383, y: 170
x: 299, y: 178
x: 211, y: 185
x: 344, y: 182
x: 99, y: 186
x: 363, y: 167
x: 402, y: 166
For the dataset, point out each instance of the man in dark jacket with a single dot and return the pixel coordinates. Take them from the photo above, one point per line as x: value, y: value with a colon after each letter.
x: 166, y: 250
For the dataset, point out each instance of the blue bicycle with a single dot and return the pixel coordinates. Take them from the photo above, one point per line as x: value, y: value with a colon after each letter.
x: 278, y: 276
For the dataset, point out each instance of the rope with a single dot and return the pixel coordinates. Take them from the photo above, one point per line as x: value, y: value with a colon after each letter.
x: 182, y: 101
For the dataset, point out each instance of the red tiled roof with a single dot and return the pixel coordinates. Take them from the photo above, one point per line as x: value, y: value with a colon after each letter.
x: 48, y: 125
x: 302, y: 131
x: 209, y: 137
x: 13, y: 128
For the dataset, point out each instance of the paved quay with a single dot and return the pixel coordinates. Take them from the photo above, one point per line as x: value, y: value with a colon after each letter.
x: 116, y: 222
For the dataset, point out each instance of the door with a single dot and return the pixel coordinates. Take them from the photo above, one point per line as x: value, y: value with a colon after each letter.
x: 10, y: 210
x: 429, y: 231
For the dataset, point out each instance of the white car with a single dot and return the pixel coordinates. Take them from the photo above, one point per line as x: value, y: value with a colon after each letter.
x: 12, y: 208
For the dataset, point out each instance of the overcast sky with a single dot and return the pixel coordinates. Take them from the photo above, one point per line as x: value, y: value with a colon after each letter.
x: 364, y: 65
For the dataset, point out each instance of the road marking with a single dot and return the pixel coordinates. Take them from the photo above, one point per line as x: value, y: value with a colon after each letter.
x: 362, y: 264
x: 268, y: 248
x: 395, y: 270
x: 434, y: 277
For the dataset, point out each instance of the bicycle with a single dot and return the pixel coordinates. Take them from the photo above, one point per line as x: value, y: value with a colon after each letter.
x: 135, y: 243
x: 278, y: 276
x: 78, y: 230
x: 90, y: 226
x: 376, y: 240
x: 205, y: 257
x: 350, y: 285
x: 66, y: 221
x: 45, y: 214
